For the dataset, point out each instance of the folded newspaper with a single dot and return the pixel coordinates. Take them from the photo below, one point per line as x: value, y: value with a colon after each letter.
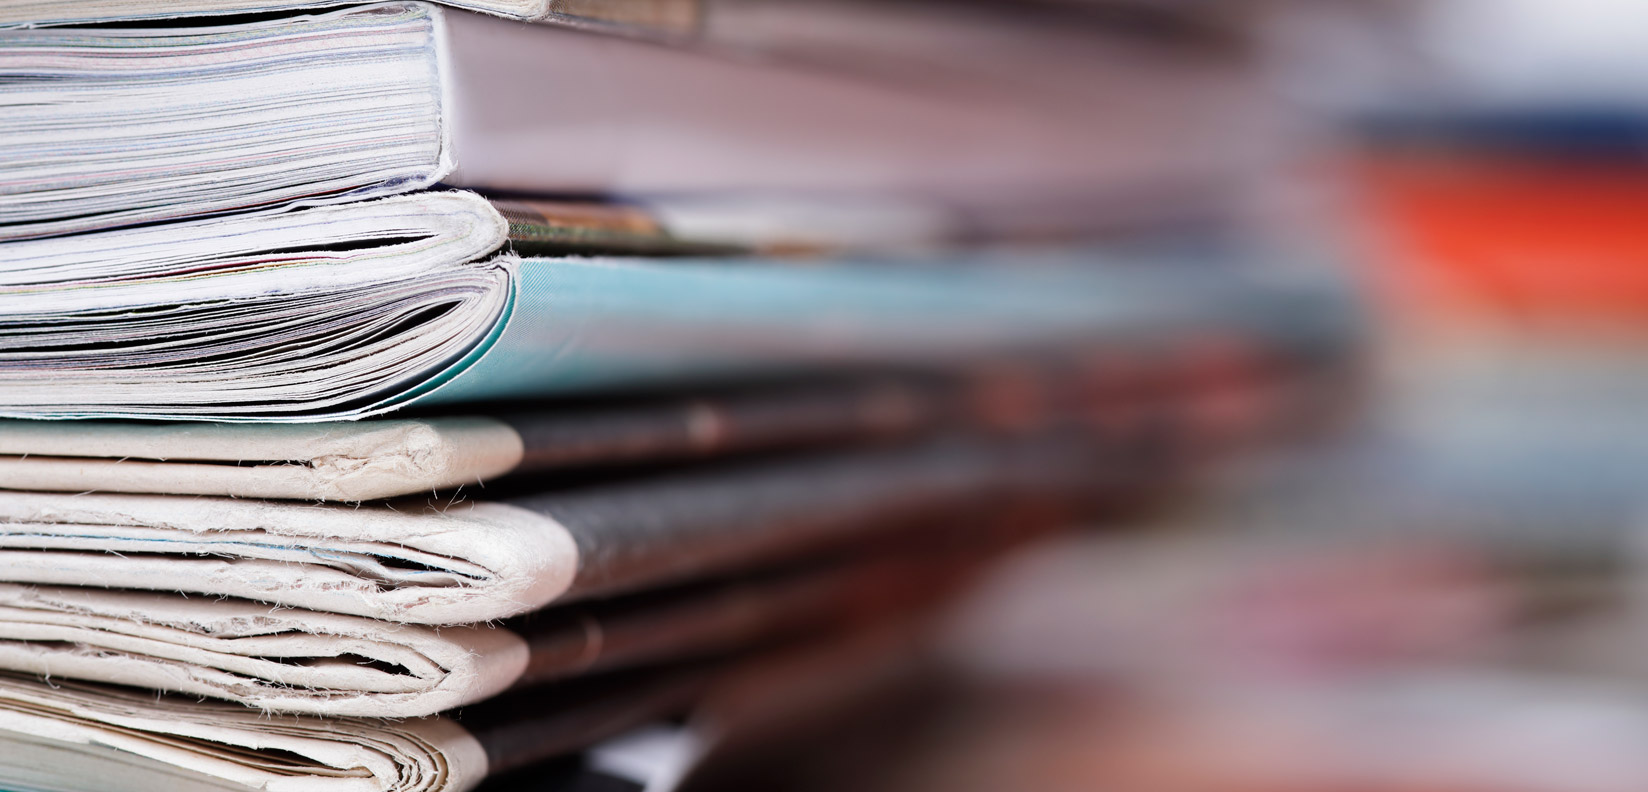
x: 357, y: 309
x: 1118, y: 395
x: 70, y: 736
x: 384, y: 458
x: 466, y: 562
x: 287, y: 660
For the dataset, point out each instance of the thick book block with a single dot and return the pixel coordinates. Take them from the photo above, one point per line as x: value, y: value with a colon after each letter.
x: 656, y: 15
x: 112, y: 126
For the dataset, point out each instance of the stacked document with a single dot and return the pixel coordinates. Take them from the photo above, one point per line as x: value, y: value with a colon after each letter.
x: 395, y: 396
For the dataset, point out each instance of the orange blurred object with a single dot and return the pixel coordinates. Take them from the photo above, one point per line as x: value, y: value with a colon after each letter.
x: 1511, y: 237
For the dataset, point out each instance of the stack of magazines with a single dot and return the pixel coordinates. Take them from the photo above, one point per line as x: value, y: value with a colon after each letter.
x: 397, y: 396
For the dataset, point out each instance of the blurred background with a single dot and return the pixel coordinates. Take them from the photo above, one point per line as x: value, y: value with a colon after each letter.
x: 1446, y: 588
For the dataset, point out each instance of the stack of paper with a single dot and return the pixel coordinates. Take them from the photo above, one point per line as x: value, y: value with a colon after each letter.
x: 686, y: 354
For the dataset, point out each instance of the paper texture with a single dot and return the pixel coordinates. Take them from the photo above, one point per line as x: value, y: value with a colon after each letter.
x: 69, y: 736
x: 271, y: 344
x: 74, y: 737
x: 673, y: 16
x: 341, y: 462
x: 287, y: 660
x: 169, y: 123
x: 458, y: 564
x: 245, y: 315
x: 274, y: 659
x: 471, y: 562
x: 386, y: 458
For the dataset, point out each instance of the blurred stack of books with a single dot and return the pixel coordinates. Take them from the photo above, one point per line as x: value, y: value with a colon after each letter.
x: 697, y: 341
